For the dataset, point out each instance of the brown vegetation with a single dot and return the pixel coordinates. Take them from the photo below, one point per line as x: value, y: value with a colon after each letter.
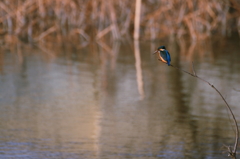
x: 82, y: 20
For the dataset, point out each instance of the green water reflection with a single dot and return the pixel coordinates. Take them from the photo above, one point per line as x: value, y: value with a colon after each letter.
x: 117, y: 101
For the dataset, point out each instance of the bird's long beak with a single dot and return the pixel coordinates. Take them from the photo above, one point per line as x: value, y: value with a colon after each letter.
x: 155, y: 51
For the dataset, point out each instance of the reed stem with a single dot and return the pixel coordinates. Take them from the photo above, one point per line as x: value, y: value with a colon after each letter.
x: 231, y: 153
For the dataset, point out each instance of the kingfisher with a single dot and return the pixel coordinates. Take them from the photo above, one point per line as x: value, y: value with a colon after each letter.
x: 163, y: 54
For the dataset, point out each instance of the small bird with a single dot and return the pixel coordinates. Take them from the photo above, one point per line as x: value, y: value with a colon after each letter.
x: 163, y: 54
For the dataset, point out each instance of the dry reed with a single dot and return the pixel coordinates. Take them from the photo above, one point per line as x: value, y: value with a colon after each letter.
x: 35, y: 20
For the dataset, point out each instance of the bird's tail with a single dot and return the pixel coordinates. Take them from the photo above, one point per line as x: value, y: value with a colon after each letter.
x: 168, y: 63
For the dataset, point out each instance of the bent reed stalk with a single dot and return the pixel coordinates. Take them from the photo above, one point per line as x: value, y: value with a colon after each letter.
x: 231, y: 153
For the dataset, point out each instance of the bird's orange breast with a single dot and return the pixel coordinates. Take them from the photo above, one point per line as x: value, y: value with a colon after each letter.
x: 161, y: 58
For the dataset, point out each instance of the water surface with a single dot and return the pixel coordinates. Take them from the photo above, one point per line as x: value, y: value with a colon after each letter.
x: 118, y: 101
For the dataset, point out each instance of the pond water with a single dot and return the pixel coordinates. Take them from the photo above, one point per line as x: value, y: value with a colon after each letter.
x: 116, y: 100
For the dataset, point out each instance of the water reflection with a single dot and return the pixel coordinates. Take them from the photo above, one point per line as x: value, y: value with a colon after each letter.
x: 138, y: 68
x: 71, y: 103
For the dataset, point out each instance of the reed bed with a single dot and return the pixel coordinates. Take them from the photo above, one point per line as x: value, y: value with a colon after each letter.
x: 86, y: 20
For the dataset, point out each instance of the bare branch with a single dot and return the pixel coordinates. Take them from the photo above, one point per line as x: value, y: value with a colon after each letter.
x: 231, y: 153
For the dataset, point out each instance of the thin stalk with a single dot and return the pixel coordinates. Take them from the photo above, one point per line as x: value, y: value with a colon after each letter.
x: 231, y: 153
x: 137, y: 19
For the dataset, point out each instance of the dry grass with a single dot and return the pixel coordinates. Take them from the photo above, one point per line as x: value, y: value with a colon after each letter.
x: 53, y: 20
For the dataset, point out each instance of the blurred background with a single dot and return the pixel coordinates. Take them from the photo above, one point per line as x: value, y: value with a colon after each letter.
x: 74, y: 83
